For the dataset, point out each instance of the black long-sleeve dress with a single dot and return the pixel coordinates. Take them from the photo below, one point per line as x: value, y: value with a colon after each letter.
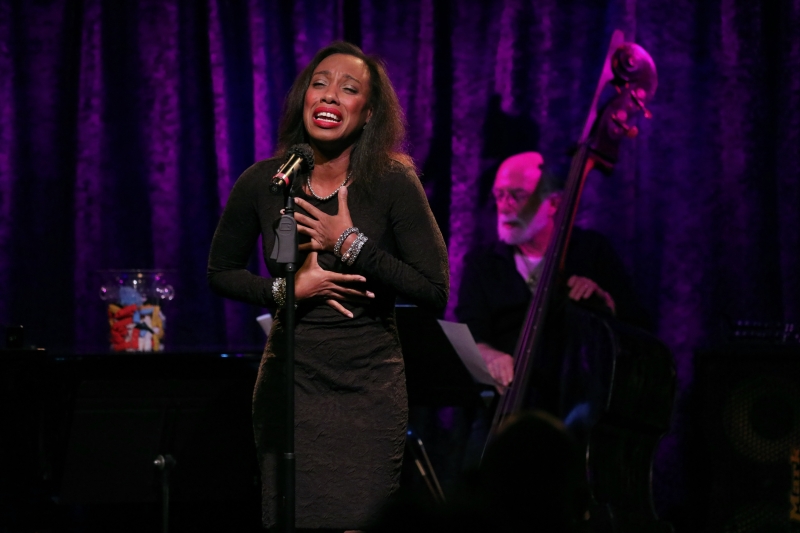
x: 350, y: 395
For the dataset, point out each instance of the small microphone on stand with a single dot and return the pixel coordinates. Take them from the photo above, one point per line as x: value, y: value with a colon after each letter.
x: 301, y: 159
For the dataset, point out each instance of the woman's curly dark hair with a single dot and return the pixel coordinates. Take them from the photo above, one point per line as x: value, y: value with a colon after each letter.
x: 381, y: 145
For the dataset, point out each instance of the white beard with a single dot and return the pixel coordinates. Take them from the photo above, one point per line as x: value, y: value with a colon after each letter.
x: 521, y: 231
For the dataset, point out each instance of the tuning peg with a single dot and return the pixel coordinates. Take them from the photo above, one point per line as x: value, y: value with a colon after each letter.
x: 638, y: 98
x: 619, y: 119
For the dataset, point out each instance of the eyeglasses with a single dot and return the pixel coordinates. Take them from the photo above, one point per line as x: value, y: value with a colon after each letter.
x: 518, y: 196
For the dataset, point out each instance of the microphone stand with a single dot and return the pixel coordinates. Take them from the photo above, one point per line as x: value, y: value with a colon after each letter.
x: 285, y: 253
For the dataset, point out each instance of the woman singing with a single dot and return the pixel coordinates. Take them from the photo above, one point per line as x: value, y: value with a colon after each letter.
x: 367, y: 235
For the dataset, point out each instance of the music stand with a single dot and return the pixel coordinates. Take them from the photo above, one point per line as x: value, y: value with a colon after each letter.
x: 435, y: 374
x: 435, y: 377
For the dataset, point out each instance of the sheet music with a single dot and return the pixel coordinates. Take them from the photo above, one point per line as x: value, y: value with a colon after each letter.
x: 265, y: 321
x: 466, y: 348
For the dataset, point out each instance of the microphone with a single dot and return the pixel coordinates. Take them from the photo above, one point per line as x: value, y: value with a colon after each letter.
x: 301, y: 158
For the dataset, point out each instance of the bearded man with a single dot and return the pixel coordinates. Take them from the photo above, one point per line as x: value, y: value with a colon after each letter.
x: 498, y: 281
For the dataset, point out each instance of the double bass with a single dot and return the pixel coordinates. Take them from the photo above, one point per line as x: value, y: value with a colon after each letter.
x: 632, y: 374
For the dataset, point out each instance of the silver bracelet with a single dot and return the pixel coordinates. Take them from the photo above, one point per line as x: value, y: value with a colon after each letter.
x: 350, y: 256
x: 337, y: 248
x: 360, y: 242
x: 279, y: 291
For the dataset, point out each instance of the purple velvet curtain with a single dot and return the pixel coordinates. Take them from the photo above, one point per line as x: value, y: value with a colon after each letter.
x: 123, y: 126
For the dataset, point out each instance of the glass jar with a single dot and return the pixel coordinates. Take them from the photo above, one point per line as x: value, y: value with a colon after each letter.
x: 135, y: 300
